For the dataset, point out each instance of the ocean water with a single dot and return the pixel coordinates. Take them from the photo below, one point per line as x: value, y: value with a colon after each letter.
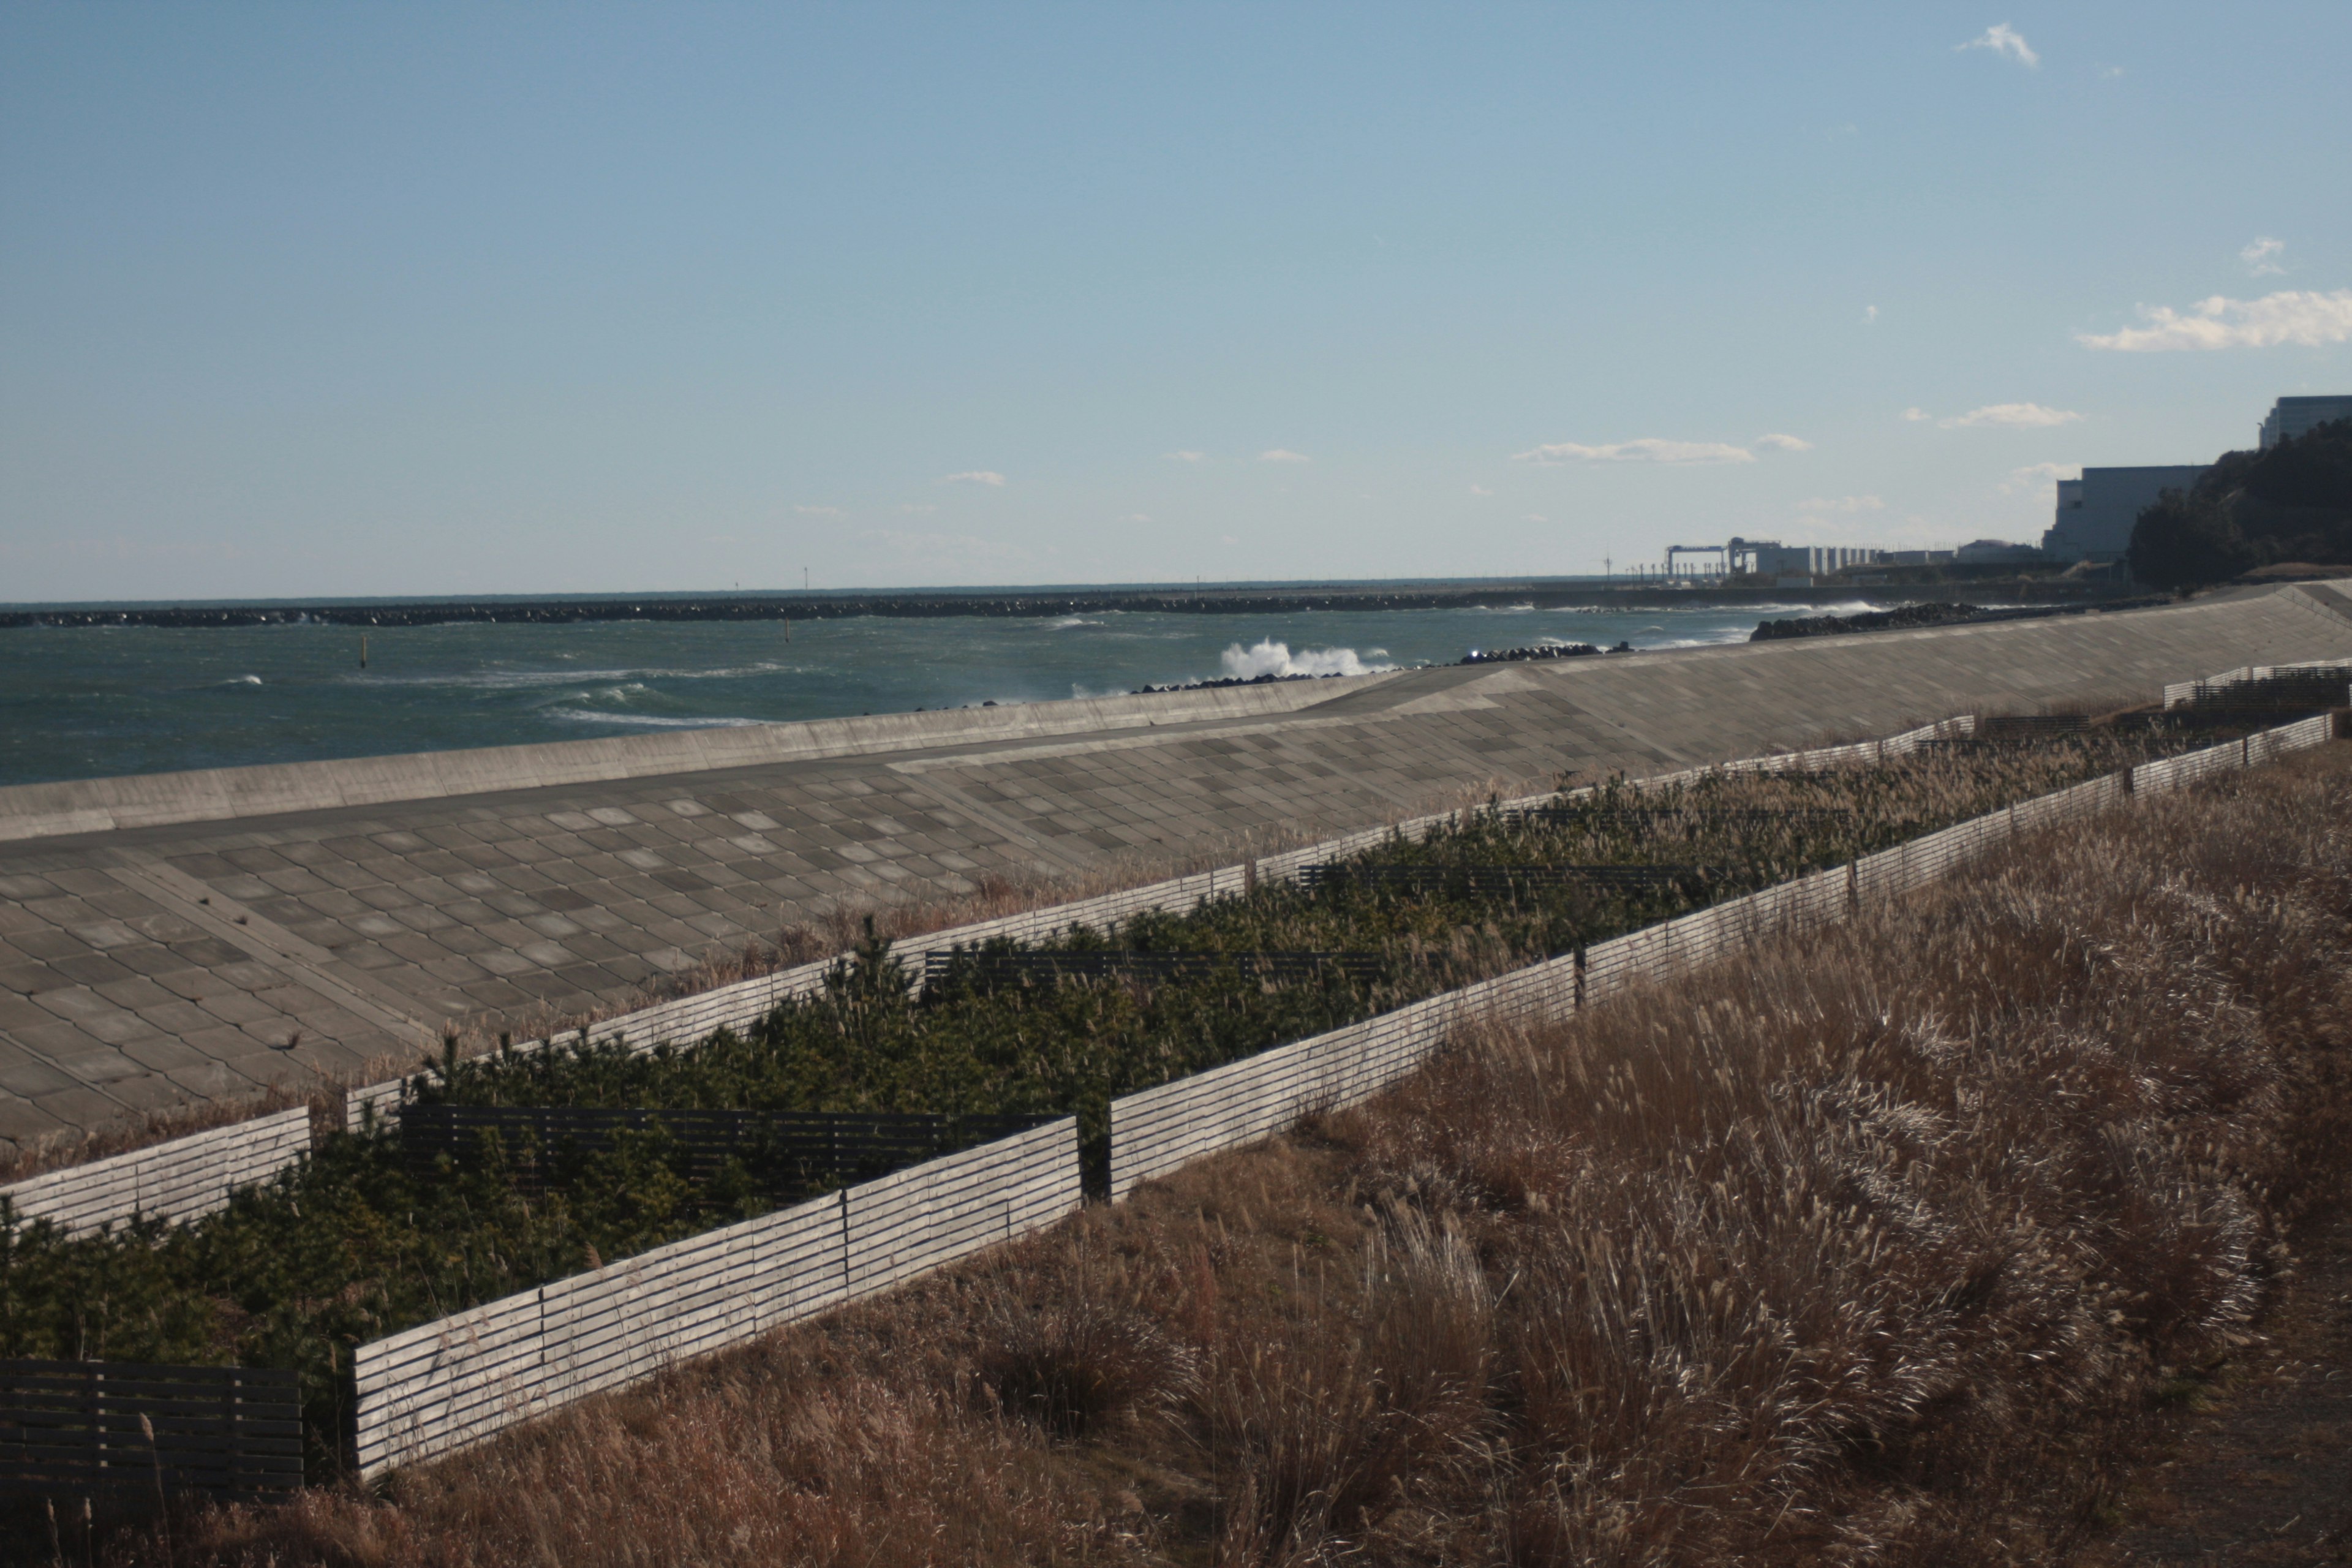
x: 88, y: 703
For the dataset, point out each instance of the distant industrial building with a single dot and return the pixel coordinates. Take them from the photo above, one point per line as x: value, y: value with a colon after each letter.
x: 1809, y: 560
x: 2095, y: 512
x: 2293, y: 416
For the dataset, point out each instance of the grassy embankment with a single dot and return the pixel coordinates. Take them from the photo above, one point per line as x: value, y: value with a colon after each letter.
x: 1885, y: 1246
x: 354, y: 1245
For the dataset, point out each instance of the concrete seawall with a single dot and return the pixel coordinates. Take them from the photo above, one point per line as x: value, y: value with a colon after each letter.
x: 181, y: 937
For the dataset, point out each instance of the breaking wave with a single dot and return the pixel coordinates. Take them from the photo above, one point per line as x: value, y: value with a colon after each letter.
x: 1272, y: 658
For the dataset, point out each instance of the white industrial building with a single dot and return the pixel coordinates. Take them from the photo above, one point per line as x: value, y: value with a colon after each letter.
x: 2293, y: 416
x: 1812, y: 560
x: 2095, y: 512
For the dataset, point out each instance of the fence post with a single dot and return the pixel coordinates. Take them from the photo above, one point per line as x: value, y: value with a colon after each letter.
x: 1580, y: 977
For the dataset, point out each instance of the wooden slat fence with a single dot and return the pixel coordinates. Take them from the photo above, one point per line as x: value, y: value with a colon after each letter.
x: 2229, y: 685
x: 72, y: 1429
x: 436, y: 1388
x: 179, y: 1181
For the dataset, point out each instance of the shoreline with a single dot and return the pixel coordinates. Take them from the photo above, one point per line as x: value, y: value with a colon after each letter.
x: 1000, y: 605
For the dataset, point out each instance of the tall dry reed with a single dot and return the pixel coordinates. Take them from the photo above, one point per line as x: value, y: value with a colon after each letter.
x: 1870, y: 1246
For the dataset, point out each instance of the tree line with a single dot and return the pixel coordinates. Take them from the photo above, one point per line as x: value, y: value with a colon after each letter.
x: 2291, y: 503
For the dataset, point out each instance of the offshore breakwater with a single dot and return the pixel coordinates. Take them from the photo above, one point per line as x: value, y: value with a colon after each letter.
x: 1032, y: 604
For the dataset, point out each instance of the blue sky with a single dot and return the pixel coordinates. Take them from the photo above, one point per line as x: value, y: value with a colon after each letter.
x: 440, y: 299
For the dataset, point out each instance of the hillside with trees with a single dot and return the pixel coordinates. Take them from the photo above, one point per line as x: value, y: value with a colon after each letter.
x: 2291, y: 503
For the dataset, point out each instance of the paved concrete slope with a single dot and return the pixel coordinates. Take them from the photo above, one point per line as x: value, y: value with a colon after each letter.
x: 251, y: 926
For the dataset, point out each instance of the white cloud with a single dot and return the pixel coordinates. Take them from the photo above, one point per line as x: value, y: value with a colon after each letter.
x: 2013, y: 415
x: 1647, y: 449
x: 1186, y: 456
x: 2109, y: 73
x: 2262, y: 257
x: 1870, y: 315
x: 916, y: 508
x: 820, y: 512
x: 1538, y: 517
x: 2034, y: 476
x: 988, y: 477
x: 1914, y: 415
x: 1480, y: 490
x: 2291, y: 316
x: 2003, y: 39
x: 1843, y: 503
x: 1785, y: 443
x: 1278, y: 455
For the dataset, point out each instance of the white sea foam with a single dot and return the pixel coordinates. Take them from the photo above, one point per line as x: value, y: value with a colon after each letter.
x: 1066, y: 622
x: 242, y: 680
x: 527, y: 679
x: 1272, y: 658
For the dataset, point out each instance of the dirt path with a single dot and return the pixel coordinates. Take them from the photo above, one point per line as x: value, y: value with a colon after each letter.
x: 2264, y: 1475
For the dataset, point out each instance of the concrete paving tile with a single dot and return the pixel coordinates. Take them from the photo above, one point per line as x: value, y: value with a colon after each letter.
x: 176, y: 1016
x: 73, y: 1004
x: 138, y: 992
x: 17, y: 1013
x: 98, y: 1067
x: 240, y: 1008
x: 162, y: 1053
x: 411, y: 947
x: 28, y: 1080
x: 120, y: 1029
x: 25, y: 979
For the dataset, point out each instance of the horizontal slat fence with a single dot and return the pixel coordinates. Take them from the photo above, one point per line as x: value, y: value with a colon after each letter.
x: 2322, y: 680
x: 436, y: 1388
x: 180, y: 1180
x: 1158, y: 1130
x: 71, y: 1428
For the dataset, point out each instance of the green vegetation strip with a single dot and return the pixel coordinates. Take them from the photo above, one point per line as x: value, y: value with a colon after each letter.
x: 354, y: 1245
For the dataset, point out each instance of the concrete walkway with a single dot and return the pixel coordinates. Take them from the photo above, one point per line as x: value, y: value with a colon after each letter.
x: 180, y: 937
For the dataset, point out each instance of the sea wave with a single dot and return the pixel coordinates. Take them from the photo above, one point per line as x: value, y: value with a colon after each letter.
x: 1272, y: 658
x: 529, y: 680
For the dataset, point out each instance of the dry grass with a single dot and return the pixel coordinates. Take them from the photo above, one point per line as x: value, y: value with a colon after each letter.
x: 1871, y: 1248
